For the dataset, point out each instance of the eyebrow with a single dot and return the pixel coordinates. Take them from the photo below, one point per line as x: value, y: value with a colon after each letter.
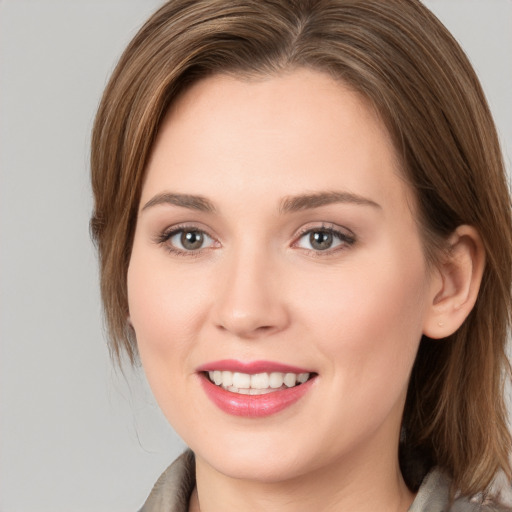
x: 309, y: 201
x: 192, y: 202
x: 288, y: 204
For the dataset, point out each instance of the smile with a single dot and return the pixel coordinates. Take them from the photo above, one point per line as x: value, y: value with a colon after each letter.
x: 256, y: 389
x: 256, y: 384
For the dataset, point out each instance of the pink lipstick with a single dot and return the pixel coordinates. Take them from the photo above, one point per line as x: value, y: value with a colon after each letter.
x: 255, y: 389
x: 250, y: 367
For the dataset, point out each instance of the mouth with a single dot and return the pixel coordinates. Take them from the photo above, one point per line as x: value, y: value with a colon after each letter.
x: 255, y: 389
x: 258, y: 383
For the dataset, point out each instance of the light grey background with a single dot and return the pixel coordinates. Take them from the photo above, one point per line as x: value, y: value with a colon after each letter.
x: 75, y: 435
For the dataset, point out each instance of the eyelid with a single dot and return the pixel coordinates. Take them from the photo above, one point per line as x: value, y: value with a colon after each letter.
x: 163, y: 238
x: 325, y: 226
x: 346, y: 236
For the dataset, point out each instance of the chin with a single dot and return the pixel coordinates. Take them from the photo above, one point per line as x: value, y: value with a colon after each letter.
x: 259, y: 469
x: 249, y: 460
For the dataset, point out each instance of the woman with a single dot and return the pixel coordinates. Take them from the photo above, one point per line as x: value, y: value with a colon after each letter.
x: 304, y: 230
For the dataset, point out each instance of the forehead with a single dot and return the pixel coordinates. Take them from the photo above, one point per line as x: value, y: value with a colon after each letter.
x: 291, y: 133
x: 281, y: 103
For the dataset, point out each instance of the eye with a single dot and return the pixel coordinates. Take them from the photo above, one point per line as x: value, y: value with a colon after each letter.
x: 323, y: 239
x: 182, y: 240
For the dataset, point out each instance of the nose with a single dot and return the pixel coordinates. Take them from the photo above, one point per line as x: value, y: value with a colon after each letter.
x: 251, y: 300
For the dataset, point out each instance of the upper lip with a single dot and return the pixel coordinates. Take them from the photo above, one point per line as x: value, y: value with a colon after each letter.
x: 250, y: 367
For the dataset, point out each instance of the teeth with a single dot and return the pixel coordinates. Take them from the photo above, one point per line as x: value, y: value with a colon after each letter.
x: 276, y: 380
x: 290, y: 379
x: 258, y: 383
x: 302, y: 377
x: 227, y: 379
x: 217, y: 377
x: 241, y: 380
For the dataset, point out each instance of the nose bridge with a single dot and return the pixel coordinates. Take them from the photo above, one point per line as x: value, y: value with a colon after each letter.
x: 250, y: 302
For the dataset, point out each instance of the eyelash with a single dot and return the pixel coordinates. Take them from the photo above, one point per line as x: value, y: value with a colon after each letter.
x: 165, y: 236
x: 346, y: 239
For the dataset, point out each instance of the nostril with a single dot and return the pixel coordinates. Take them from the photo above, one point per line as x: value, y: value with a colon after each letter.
x: 264, y: 328
x: 247, y: 328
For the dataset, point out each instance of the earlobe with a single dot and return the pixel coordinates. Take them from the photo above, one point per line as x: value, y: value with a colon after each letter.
x: 456, y: 283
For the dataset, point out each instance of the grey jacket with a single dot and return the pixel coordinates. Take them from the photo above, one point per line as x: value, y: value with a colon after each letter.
x: 172, y: 491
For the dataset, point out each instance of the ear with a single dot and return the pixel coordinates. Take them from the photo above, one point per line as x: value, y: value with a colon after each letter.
x: 455, y: 283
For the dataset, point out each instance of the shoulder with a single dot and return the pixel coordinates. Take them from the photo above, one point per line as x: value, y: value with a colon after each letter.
x: 476, y: 505
x: 173, y: 489
x: 434, y: 496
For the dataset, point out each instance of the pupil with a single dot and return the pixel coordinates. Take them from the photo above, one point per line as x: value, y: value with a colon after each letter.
x: 192, y: 240
x: 320, y: 240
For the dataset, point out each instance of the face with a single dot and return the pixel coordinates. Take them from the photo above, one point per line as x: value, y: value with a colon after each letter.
x: 276, y: 253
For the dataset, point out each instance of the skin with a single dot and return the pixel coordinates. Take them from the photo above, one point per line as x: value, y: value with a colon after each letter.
x: 257, y: 290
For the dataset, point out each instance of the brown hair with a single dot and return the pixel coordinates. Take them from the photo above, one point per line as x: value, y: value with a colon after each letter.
x: 401, y: 57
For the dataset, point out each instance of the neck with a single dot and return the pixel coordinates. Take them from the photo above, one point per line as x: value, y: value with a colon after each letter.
x: 365, y: 485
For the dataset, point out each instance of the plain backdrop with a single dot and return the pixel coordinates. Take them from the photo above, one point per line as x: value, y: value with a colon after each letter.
x: 75, y: 434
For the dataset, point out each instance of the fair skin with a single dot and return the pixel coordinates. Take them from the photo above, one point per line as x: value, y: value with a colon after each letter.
x: 334, y: 282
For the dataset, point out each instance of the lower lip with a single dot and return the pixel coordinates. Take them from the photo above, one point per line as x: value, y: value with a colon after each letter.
x: 254, y: 406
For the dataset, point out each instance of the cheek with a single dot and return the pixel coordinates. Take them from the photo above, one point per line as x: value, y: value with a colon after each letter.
x: 164, y: 310
x: 165, y: 307
x: 367, y: 320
